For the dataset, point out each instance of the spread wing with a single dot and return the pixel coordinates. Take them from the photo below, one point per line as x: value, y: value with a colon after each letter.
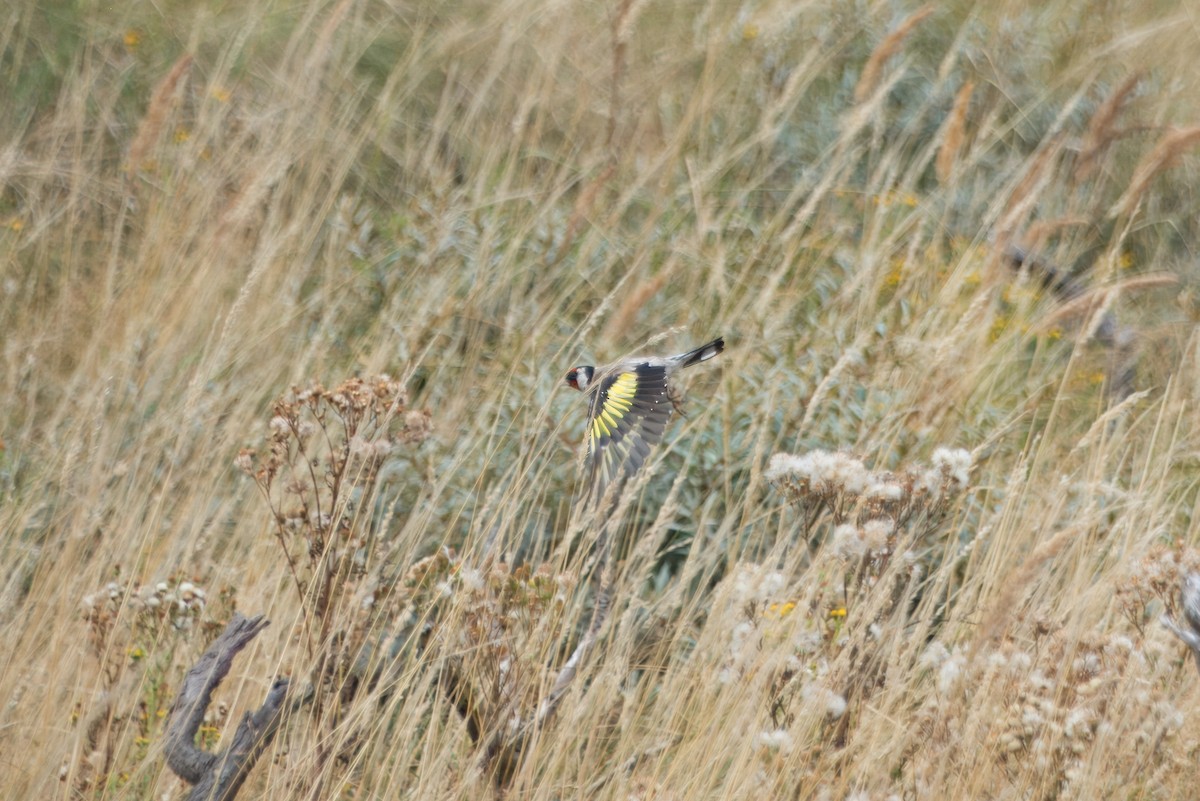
x: 628, y: 413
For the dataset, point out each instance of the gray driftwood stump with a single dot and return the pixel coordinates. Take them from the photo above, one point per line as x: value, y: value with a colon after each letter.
x: 1188, y: 629
x: 218, y: 777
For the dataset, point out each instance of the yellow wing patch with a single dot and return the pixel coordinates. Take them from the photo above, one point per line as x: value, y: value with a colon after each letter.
x: 624, y: 388
x: 618, y: 400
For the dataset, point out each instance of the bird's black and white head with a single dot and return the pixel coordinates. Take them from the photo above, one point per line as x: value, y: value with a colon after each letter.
x: 580, y: 377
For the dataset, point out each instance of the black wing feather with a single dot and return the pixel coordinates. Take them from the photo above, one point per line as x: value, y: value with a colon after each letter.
x: 628, y: 414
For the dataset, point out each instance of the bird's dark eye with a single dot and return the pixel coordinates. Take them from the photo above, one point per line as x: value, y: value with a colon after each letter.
x: 572, y: 376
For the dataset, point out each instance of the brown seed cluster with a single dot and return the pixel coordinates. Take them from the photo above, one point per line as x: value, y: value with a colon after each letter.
x: 363, y: 419
x: 1155, y: 580
x: 319, y: 469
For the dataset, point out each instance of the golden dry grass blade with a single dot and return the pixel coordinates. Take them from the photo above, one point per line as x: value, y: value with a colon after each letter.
x: 899, y: 500
x: 1100, y: 297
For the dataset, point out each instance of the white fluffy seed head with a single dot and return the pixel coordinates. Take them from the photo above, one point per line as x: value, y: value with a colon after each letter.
x: 954, y: 463
x: 848, y: 543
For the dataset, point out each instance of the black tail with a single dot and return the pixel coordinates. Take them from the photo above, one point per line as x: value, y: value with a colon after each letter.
x: 702, y: 353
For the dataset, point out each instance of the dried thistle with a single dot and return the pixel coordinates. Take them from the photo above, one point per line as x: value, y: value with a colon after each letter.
x: 843, y: 485
x: 873, y: 515
x: 1157, y: 577
x: 322, y: 448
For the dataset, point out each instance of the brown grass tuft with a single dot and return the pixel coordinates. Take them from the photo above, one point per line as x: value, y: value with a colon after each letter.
x: 1172, y: 145
x: 622, y: 319
x: 1004, y: 610
x: 887, y: 48
x: 1102, y: 128
x: 162, y: 102
x: 955, y: 133
x: 582, y: 208
x: 1037, y: 172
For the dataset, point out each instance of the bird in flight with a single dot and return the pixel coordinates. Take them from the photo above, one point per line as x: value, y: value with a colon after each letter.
x: 630, y: 403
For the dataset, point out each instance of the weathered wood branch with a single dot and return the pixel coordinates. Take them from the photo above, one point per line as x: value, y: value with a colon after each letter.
x: 218, y: 777
x: 1189, y: 629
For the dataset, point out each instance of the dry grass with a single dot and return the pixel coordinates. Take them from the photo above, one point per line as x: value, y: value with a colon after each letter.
x: 203, y: 210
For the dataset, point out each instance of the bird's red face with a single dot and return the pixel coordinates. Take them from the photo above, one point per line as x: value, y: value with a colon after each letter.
x: 578, y: 377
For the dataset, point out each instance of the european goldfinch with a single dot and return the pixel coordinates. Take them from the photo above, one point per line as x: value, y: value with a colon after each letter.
x: 630, y: 405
